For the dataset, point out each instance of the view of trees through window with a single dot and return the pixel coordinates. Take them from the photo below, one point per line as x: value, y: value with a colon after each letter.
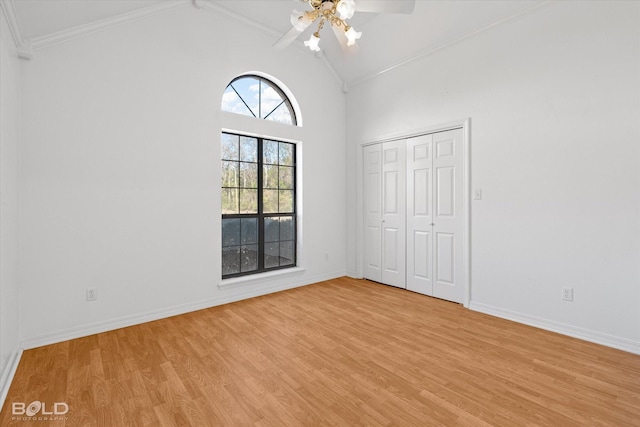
x: 258, y: 204
x: 258, y: 97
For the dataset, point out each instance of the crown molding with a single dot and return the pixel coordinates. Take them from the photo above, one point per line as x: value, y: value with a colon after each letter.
x: 23, y: 47
x: 26, y: 48
x: 424, y: 53
x: 216, y: 7
x: 52, y: 39
x: 12, y: 20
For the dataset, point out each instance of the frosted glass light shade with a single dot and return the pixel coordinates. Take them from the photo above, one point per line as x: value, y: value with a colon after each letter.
x: 313, y: 43
x: 346, y: 9
x: 352, y: 36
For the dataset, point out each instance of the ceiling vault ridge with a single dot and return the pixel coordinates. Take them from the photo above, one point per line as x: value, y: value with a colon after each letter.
x: 334, y: 73
x: 62, y: 36
x: 425, y: 53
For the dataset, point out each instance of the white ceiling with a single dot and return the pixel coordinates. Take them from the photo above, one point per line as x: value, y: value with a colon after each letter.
x: 387, y: 41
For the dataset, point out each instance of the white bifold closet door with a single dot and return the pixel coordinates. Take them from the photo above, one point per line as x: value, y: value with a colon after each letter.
x: 435, y: 223
x: 385, y: 213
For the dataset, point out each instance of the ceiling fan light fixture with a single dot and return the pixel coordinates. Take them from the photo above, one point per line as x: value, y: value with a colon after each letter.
x: 332, y: 12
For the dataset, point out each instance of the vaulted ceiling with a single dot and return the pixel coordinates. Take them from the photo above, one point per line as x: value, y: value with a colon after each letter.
x: 388, y: 40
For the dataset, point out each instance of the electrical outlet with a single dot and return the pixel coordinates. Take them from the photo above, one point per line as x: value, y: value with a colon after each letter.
x: 92, y: 294
x: 567, y: 294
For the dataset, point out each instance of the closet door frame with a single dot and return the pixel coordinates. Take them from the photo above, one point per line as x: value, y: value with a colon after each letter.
x: 465, y: 124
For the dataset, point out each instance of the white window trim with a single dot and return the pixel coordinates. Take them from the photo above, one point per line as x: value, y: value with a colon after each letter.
x: 236, y: 282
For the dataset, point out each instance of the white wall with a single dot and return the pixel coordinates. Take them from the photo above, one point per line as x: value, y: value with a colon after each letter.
x: 9, y: 133
x: 120, y: 170
x: 554, y: 99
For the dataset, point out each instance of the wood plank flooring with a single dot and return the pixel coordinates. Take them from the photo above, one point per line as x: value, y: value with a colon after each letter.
x: 339, y: 353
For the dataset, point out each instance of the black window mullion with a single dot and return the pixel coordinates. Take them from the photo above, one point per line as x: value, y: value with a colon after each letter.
x: 260, y: 98
x: 260, y: 209
x: 294, y: 216
x: 243, y: 101
x: 278, y: 106
x: 278, y: 175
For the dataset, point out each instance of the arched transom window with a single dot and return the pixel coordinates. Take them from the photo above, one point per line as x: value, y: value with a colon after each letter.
x: 258, y: 97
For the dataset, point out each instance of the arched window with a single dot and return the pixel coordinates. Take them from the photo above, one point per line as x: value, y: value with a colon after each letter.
x: 259, y: 182
x: 258, y: 97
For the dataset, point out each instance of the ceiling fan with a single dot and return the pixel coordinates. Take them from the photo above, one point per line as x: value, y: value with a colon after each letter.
x: 335, y: 13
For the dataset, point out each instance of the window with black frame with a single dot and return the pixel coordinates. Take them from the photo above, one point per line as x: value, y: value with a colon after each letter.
x: 258, y: 205
x: 258, y: 97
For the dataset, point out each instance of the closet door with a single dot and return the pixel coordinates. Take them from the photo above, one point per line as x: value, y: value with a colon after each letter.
x: 372, y: 181
x: 384, y: 211
x: 435, y: 222
x: 448, y: 229
x: 393, y: 213
x: 419, y: 215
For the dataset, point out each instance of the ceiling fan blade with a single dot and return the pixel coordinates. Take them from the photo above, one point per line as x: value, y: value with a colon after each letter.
x: 288, y: 38
x: 386, y: 6
x: 342, y: 39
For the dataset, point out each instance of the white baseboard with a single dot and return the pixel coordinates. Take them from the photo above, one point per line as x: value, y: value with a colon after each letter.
x: 353, y: 275
x: 561, y: 328
x: 8, y: 373
x: 136, y: 319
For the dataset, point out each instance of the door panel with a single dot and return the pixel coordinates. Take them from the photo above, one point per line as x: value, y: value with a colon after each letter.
x: 372, y: 204
x: 422, y: 252
x: 421, y: 192
x: 445, y: 191
x: 391, y: 193
x: 390, y: 153
x: 445, y: 270
x: 391, y: 241
x: 445, y: 147
x: 372, y: 259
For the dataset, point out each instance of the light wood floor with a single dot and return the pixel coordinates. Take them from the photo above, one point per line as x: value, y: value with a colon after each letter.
x: 338, y: 353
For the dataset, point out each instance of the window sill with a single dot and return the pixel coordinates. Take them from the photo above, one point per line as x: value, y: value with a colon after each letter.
x: 260, y: 277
